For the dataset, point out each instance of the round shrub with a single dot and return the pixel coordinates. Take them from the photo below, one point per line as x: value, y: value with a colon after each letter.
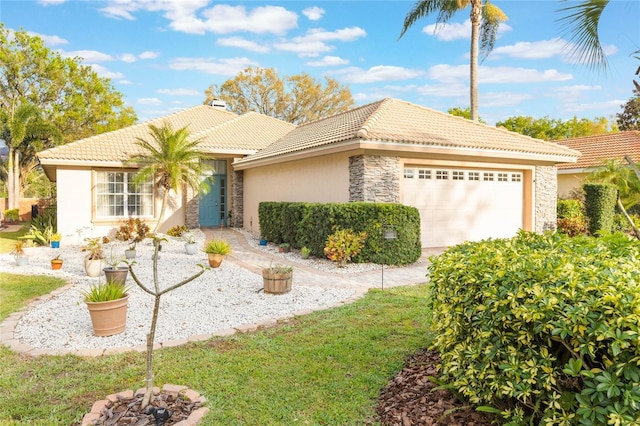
x: 542, y: 328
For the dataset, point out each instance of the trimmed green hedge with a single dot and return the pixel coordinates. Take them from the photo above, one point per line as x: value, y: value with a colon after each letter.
x: 542, y: 327
x: 310, y: 224
x: 600, y: 206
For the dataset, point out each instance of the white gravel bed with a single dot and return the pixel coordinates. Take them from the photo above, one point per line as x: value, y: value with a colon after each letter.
x: 221, y: 298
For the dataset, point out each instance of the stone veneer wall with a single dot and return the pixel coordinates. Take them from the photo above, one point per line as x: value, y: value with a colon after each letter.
x: 191, y: 201
x: 374, y: 178
x: 546, y: 198
x: 237, y: 200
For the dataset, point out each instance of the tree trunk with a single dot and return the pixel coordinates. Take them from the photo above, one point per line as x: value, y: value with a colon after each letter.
x: 476, y: 16
x: 165, y: 200
x: 150, y: 338
x: 10, y: 178
x: 16, y: 180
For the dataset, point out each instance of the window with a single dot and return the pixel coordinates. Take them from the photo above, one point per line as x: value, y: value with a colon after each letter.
x: 457, y: 175
x: 488, y: 176
x: 442, y: 174
x: 118, y: 196
x: 408, y: 173
x: 424, y: 174
x: 474, y: 176
x: 503, y: 177
x: 516, y: 177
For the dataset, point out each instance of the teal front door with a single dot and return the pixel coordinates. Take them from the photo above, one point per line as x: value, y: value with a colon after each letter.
x: 213, y: 205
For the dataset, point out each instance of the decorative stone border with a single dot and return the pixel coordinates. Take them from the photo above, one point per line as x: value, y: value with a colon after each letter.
x: 194, y: 418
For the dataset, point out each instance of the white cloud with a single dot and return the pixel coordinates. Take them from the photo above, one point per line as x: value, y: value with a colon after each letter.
x: 179, y: 92
x: 50, y: 40
x: 502, y: 99
x: 308, y: 49
x: 225, y: 67
x: 498, y: 75
x: 457, y: 30
x: 149, y: 55
x: 104, y: 72
x: 225, y: 19
x: 128, y: 57
x: 609, y: 106
x: 376, y: 74
x: 242, y: 44
x: 328, y: 61
x: 315, y: 41
x: 127, y: 82
x: 149, y: 101
x: 88, y: 55
x: 572, y: 93
x: 314, y: 13
x: 51, y: 2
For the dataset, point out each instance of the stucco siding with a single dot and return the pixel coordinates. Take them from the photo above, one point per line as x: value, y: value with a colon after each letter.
x: 569, y: 183
x: 323, y: 179
x: 74, y: 205
x: 546, y: 195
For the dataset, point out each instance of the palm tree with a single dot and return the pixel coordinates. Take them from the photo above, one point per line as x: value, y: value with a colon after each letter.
x: 485, y: 20
x: 24, y: 130
x: 172, y: 159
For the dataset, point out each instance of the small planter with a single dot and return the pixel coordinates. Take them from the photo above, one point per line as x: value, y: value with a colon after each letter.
x: 263, y: 242
x: 55, y: 244
x: 117, y: 275
x: 130, y: 254
x: 56, y: 264
x: 191, y: 248
x: 285, y: 248
x: 277, y: 280
x: 22, y: 260
x: 215, y: 259
x: 93, y: 267
x: 108, y: 318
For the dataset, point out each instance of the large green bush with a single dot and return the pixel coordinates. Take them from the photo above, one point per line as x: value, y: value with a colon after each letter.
x: 600, y: 205
x: 542, y: 327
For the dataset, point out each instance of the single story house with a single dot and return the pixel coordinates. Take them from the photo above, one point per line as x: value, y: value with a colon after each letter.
x: 468, y: 180
x: 595, y: 151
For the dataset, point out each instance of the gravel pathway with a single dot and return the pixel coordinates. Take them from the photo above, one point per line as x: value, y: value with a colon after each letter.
x: 222, y: 298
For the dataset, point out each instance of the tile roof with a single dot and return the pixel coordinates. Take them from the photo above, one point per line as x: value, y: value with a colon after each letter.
x: 595, y: 149
x: 394, y: 121
x: 218, y: 128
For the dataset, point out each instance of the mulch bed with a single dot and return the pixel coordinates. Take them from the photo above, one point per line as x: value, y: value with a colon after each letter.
x: 409, y: 398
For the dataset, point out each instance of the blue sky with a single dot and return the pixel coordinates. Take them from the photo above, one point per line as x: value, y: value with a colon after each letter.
x: 163, y: 55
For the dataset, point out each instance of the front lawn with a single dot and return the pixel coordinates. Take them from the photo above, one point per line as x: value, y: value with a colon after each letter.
x: 8, y: 239
x: 324, y: 368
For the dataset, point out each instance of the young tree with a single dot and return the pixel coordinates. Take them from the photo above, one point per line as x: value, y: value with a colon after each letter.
x: 464, y: 113
x: 555, y: 129
x: 296, y: 99
x: 485, y: 21
x: 66, y: 94
x: 629, y: 118
x: 172, y: 160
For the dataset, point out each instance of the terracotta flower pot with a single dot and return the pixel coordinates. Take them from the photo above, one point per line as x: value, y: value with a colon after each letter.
x: 108, y: 318
x: 215, y: 259
x: 56, y: 264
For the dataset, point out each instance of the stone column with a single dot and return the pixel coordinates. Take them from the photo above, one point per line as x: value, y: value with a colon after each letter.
x: 546, y: 198
x: 374, y: 178
x: 237, y: 199
x: 191, y: 202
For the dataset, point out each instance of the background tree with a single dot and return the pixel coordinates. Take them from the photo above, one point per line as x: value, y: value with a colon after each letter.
x: 172, y: 160
x: 555, y: 129
x: 464, y: 113
x: 485, y: 21
x: 629, y: 118
x: 296, y: 99
x: 66, y: 94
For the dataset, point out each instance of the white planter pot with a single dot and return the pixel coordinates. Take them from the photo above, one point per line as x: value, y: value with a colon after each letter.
x: 191, y: 248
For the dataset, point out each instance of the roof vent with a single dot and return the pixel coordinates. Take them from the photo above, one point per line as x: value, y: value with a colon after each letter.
x: 218, y: 103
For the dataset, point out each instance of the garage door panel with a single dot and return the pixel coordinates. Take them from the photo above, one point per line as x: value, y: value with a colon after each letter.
x: 454, y: 211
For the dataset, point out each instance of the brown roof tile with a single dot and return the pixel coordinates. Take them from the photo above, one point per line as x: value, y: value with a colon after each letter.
x: 598, y: 148
x: 396, y: 121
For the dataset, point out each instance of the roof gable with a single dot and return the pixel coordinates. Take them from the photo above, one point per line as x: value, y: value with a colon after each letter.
x: 598, y: 148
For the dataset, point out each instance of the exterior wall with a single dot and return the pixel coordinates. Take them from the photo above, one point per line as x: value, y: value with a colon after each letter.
x: 191, y: 201
x: 569, y: 183
x: 374, y: 178
x: 321, y: 179
x: 237, y: 199
x: 24, y: 207
x: 74, y: 205
x: 546, y: 198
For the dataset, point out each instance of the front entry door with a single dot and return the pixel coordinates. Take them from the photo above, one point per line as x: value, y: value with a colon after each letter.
x: 213, y: 205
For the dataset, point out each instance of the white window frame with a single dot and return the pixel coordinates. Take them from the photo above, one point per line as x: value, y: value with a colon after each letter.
x: 424, y: 174
x: 409, y: 173
x: 108, y: 197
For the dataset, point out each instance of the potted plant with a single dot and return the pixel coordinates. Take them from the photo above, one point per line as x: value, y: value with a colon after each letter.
x: 55, y: 240
x: 19, y: 254
x: 190, y: 244
x: 107, y: 303
x: 94, y: 260
x: 114, y: 272
x: 263, y: 241
x: 285, y: 247
x: 56, y: 263
x: 216, y: 250
x: 132, y: 231
x: 277, y: 278
x: 305, y: 252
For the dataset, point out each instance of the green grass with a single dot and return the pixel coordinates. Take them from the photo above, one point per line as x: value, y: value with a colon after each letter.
x: 17, y: 291
x: 324, y: 368
x: 8, y: 239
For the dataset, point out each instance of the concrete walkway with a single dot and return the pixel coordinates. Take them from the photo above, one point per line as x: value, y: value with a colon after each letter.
x: 253, y: 259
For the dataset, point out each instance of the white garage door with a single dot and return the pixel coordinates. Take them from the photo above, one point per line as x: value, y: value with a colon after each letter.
x: 458, y: 205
